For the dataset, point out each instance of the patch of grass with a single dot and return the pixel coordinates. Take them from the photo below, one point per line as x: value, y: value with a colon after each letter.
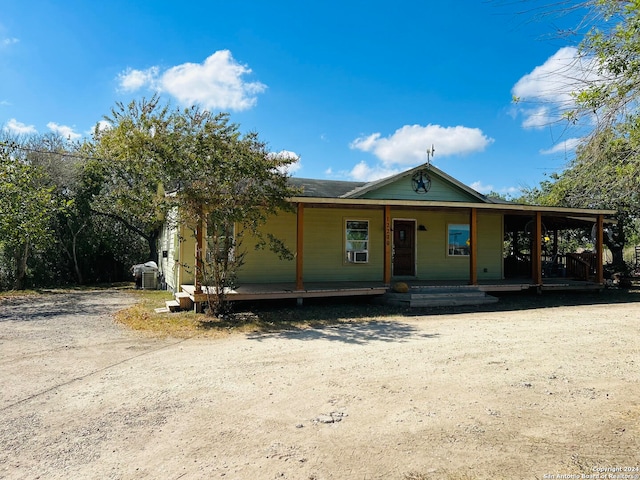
x: 16, y: 294
x: 248, y: 317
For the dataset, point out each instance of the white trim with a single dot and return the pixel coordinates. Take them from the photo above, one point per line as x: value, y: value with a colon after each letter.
x: 346, y: 252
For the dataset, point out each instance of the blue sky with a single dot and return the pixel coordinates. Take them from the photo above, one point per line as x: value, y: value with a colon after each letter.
x: 357, y: 90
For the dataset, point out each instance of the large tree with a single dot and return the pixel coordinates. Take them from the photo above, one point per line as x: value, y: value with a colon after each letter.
x: 131, y: 158
x: 605, y: 171
x: 229, y: 184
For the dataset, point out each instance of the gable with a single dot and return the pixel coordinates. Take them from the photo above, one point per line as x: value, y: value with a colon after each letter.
x: 401, y: 187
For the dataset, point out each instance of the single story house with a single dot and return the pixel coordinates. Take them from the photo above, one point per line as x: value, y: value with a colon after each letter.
x: 419, y: 226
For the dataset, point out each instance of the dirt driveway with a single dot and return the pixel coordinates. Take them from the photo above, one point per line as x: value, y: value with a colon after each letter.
x: 534, y: 393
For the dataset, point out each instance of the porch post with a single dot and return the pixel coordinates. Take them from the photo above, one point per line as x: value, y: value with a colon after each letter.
x: 473, y: 247
x: 536, y: 250
x: 599, y: 250
x: 197, y: 269
x: 299, y: 246
x: 387, y: 245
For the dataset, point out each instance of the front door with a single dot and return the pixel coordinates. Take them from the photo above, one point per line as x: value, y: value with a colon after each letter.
x: 404, y: 251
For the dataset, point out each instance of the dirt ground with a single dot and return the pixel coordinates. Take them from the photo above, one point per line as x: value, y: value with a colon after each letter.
x: 518, y: 392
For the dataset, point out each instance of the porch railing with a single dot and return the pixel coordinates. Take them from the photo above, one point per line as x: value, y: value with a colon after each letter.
x: 581, y: 266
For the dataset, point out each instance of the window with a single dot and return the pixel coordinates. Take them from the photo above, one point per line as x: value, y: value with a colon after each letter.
x: 222, y: 244
x: 357, y: 241
x: 459, y: 240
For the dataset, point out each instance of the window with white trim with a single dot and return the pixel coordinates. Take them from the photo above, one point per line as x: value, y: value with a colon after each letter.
x: 458, y: 240
x: 357, y: 241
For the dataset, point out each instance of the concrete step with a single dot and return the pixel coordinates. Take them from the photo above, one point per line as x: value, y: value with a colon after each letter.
x: 161, y: 310
x: 439, y: 297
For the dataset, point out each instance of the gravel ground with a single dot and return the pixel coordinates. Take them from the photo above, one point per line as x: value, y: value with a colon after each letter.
x: 520, y: 392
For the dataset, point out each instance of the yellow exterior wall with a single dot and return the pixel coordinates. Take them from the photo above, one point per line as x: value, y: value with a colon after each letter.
x: 433, y: 261
x: 187, y: 247
x: 325, y: 250
x: 264, y: 266
x: 490, y: 246
x: 324, y: 247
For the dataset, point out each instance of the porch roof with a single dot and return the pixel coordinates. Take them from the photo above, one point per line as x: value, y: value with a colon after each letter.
x: 584, y: 214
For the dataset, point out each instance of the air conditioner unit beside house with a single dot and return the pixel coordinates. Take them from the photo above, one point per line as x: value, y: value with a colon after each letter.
x: 361, y: 256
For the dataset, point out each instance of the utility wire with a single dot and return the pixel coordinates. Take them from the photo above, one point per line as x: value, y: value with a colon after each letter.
x: 15, y: 146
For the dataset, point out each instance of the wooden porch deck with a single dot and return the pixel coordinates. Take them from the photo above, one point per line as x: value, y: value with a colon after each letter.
x: 277, y: 291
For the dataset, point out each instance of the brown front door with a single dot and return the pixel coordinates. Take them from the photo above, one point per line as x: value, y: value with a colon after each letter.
x: 404, y: 251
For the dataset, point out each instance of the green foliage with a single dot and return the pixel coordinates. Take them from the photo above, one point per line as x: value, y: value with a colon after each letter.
x: 130, y: 161
x: 27, y: 207
x: 231, y: 184
x: 605, y: 172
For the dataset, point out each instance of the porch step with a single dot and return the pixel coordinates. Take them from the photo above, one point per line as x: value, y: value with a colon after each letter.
x: 184, y: 299
x: 161, y: 310
x: 172, y: 305
x: 439, y: 297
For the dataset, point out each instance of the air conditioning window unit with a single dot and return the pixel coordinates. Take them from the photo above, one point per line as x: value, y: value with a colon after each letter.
x: 361, y: 256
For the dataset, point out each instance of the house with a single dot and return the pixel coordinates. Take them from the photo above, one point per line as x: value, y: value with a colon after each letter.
x: 419, y: 226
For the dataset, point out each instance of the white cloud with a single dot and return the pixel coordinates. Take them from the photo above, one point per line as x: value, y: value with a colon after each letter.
x: 63, y: 131
x: 292, y: 167
x: 362, y: 172
x: 482, y: 188
x: 19, y: 128
x: 215, y: 84
x: 544, y: 94
x: 132, y: 80
x: 568, y: 145
x: 508, y: 192
x: 408, y: 145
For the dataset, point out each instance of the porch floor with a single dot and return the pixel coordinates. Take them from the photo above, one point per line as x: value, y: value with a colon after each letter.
x: 264, y: 291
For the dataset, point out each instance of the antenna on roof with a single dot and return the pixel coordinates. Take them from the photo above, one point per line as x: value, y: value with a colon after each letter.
x: 430, y: 152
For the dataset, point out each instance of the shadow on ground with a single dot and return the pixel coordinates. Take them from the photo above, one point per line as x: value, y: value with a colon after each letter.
x: 352, y: 333
x: 318, y: 312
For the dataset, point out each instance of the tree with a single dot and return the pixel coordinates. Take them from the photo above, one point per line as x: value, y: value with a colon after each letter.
x: 606, y: 167
x: 27, y: 208
x: 130, y: 161
x: 229, y: 183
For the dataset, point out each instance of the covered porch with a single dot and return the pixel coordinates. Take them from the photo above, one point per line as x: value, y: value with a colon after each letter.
x: 540, y: 266
x: 284, y: 291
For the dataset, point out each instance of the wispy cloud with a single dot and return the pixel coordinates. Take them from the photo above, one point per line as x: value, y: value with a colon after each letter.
x: 216, y: 84
x: 566, y: 146
x: 64, y: 131
x: 481, y: 187
x: 544, y: 94
x: 6, y: 42
x: 18, y: 128
x: 508, y: 192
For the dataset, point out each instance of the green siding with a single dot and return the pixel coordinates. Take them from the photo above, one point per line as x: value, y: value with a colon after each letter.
x: 324, y: 246
x: 264, y: 266
x: 441, y: 190
x: 433, y: 261
x: 490, y: 243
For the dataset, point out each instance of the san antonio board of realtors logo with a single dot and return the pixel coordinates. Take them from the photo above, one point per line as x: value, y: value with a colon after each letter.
x: 421, y: 182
